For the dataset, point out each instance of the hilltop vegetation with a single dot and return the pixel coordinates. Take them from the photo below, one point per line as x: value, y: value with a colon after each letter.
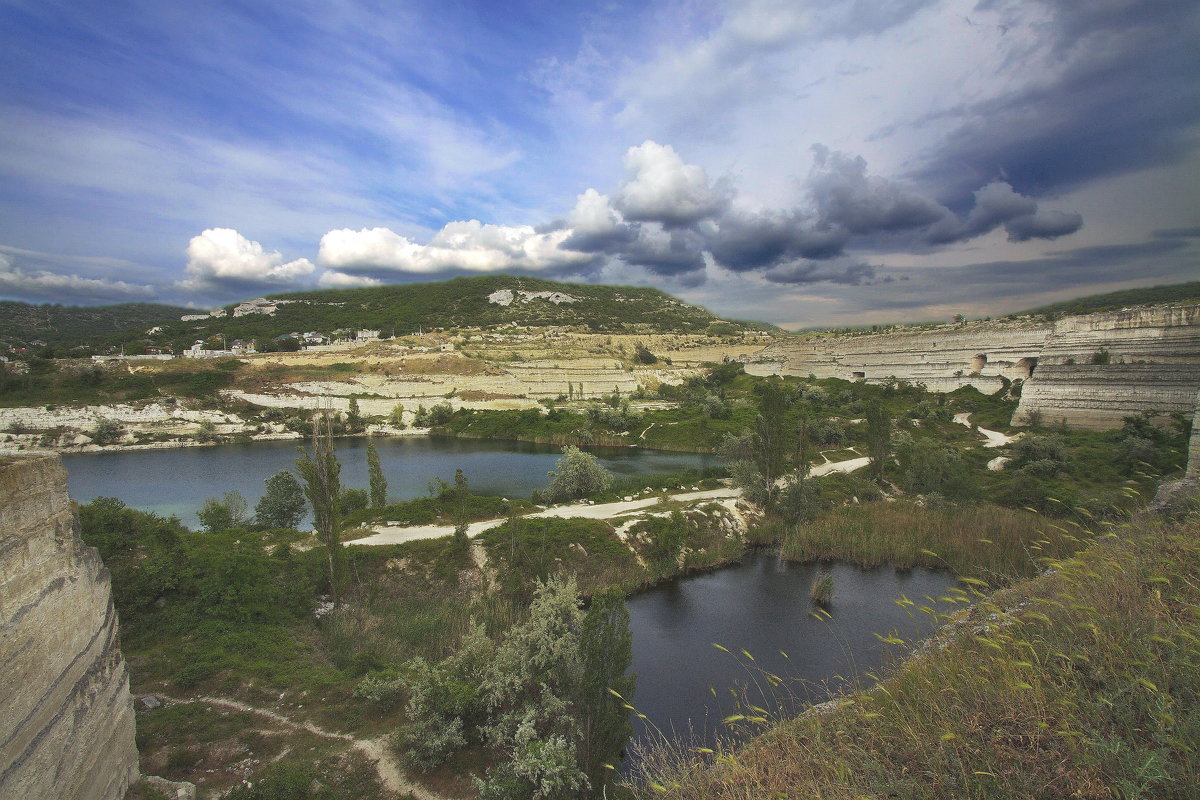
x: 396, y: 309
x: 1112, y: 301
x: 460, y: 303
x: 63, y: 327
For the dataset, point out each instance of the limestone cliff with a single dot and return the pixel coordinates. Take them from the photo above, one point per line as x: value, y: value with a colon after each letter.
x: 68, y: 719
x: 1090, y: 370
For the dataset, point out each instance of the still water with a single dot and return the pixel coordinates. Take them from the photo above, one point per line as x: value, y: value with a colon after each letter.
x: 762, y: 606
x: 179, y: 481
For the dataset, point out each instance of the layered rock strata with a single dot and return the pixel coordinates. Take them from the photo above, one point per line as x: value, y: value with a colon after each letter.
x: 1090, y: 370
x: 68, y: 720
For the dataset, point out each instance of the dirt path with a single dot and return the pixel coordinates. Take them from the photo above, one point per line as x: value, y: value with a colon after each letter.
x: 376, y: 750
x: 849, y: 465
x: 396, y: 534
x: 994, y: 438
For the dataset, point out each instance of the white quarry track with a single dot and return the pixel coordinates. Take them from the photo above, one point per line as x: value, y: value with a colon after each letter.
x: 376, y: 750
x: 994, y: 438
x: 396, y: 534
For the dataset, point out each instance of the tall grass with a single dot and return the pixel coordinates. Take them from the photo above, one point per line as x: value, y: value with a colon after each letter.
x: 822, y: 589
x: 979, y: 541
x: 1082, y: 682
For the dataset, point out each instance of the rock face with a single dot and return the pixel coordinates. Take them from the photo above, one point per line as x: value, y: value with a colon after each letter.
x: 68, y: 720
x: 1090, y: 370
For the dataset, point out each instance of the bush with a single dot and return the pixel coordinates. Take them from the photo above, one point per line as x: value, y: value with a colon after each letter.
x: 1039, y: 448
x: 576, y: 475
x: 107, y: 431
x: 643, y: 356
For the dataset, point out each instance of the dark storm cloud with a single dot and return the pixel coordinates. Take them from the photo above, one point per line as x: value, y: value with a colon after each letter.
x: 1120, y: 94
x: 994, y: 282
x: 742, y: 242
x: 612, y: 241
x: 997, y: 204
x: 666, y: 252
x: 846, y: 197
x: 854, y: 274
x: 1177, y: 233
x: 1043, y: 225
x: 845, y: 207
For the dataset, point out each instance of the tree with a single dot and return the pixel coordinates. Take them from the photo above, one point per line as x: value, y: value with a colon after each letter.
x: 223, y: 514
x: 879, y: 438
x: 577, y: 474
x: 606, y: 650
x: 548, y: 692
x: 283, y: 504
x: 107, y: 431
x: 322, y: 487
x: 758, y: 458
x: 375, y: 477
x: 462, y: 492
x: 354, y: 421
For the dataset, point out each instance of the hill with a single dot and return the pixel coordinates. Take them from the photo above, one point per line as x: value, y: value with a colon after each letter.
x: 1112, y: 301
x: 67, y: 326
x: 476, y: 302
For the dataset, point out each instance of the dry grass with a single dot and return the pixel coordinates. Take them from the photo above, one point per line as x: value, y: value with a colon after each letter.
x: 977, y: 541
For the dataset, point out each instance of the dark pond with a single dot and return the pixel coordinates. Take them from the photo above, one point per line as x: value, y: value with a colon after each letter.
x: 762, y: 605
x: 179, y: 481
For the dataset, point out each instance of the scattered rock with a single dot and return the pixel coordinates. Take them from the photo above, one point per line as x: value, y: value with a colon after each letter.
x: 173, y: 790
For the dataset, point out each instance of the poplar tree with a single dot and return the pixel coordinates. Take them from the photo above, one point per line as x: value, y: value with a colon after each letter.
x: 322, y: 486
x: 375, y: 477
x: 879, y: 438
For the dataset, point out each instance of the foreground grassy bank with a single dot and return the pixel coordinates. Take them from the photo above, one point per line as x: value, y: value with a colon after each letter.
x: 1081, y: 682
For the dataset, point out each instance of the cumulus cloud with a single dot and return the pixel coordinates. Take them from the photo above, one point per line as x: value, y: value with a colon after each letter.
x: 668, y: 218
x: 40, y: 284
x: 660, y: 187
x: 222, y: 259
x: 332, y: 279
x: 465, y: 246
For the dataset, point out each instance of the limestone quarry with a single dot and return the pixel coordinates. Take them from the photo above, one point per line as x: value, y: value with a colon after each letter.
x: 68, y: 716
x: 1090, y: 370
x: 1087, y: 370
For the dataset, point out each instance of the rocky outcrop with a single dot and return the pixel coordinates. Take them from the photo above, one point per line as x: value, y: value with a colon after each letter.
x: 68, y: 720
x: 1096, y: 369
x: 1090, y: 370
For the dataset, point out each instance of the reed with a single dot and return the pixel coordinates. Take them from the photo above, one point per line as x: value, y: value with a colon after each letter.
x: 822, y: 589
x: 975, y: 541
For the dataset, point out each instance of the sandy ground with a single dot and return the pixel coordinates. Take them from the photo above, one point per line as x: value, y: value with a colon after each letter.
x: 994, y: 438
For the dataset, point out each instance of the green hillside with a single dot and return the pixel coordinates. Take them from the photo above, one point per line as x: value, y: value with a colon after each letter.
x: 1111, y: 301
x: 461, y: 303
x: 67, y: 326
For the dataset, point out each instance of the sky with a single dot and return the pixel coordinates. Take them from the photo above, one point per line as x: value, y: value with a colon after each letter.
x: 802, y: 162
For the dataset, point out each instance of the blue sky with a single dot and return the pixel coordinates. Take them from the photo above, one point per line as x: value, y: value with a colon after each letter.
x: 806, y: 163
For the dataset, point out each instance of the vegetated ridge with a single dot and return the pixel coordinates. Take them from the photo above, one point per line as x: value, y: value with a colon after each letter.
x: 1112, y: 301
x: 67, y: 326
x: 462, y: 303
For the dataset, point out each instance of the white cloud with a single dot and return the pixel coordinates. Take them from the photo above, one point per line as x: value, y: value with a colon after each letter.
x: 40, y: 284
x: 593, y: 214
x: 465, y: 245
x: 222, y: 257
x: 332, y: 279
x: 660, y: 187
